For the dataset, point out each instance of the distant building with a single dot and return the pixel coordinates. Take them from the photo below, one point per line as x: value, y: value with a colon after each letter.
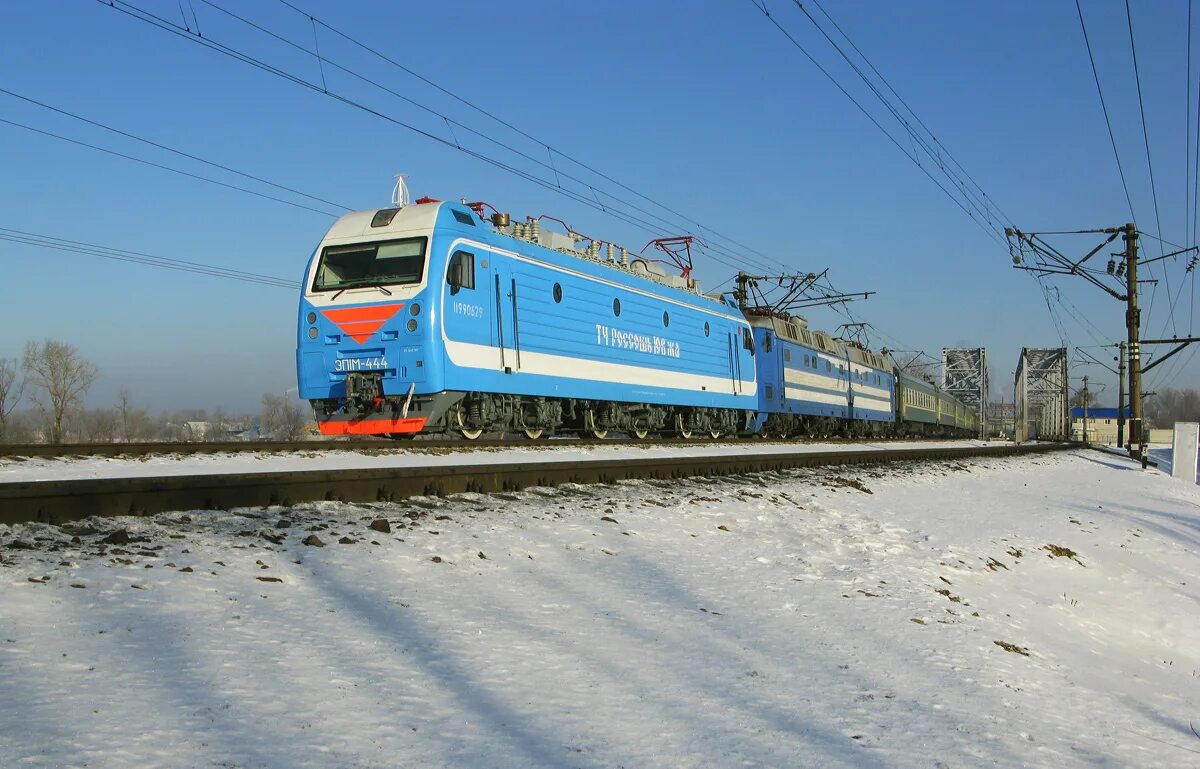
x: 1101, y: 424
x: 1000, y: 417
x: 195, y: 431
x: 219, y: 431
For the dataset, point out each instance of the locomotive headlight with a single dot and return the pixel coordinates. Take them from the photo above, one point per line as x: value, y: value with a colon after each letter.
x: 312, y: 333
x: 412, y: 324
x: 312, y: 317
x: 415, y: 309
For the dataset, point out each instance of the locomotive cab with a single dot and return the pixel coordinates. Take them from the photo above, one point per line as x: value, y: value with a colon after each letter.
x: 366, y: 322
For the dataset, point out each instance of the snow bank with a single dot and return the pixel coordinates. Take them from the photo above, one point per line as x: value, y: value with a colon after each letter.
x: 1035, y: 611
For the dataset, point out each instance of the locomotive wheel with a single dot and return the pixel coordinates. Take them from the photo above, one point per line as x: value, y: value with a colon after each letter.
x: 590, y: 430
x: 466, y: 432
x: 680, y: 429
x: 640, y: 433
x: 533, y: 433
x: 714, y: 434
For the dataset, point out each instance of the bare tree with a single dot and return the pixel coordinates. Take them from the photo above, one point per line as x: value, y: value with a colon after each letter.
x: 135, y: 423
x: 281, y: 418
x: 12, y: 387
x: 1077, y: 399
x: 100, y: 425
x: 1169, y: 406
x: 125, y: 412
x: 60, y: 377
x: 22, y: 427
x: 218, y: 429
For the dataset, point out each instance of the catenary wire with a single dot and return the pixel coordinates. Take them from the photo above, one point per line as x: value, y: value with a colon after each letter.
x: 1196, y: 154
x: 1104, y: 106
x: 1149, y: 162
x: 450, y: 122
x: 172, y: 150
x: 158, y: 22
x: 1187, y: 131
x: 762, y: 8
x: 705, y: 228
x: 137, y: 257
x: 917, y: 117
x: 968, y: 196
x: 160, y: 166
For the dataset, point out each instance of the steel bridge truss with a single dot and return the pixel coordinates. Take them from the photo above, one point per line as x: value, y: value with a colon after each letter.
x: 1042, y: 395
x: 965, y: 376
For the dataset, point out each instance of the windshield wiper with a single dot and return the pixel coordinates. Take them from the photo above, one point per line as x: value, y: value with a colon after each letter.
x: 360, y: 284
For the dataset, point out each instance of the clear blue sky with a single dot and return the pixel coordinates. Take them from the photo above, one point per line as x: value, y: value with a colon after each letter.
x: 701, y: 105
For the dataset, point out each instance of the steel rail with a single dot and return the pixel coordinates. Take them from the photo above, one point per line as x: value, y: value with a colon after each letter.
x: 147, y: 448
x: 365, y: 444
x: 61, y: 501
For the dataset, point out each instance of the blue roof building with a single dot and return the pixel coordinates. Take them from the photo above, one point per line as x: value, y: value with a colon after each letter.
x: 1095, y: 412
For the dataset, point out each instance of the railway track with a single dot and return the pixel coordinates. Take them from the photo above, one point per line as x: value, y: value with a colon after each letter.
x: 58, y: 501
x: 363, y: 444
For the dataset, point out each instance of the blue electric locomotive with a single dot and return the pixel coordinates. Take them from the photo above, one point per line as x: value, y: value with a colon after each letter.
x: 431, y: 318
x: 814, y: 385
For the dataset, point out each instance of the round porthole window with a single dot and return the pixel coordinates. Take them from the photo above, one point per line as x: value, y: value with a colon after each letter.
x: 666, y: 320
x: 557, y: 293
x: 616, y: 307
x: 707, y: 330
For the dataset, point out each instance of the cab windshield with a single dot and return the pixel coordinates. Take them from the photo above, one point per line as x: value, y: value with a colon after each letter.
x: 382, y: 263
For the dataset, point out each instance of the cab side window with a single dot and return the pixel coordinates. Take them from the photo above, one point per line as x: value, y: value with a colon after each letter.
x: 748, y: 340
x: 461, y: 272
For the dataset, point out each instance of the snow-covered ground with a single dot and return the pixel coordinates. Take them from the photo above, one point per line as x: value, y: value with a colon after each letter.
x: 14, y: 470
x: 1164, y: 456
x: 1033, y: 611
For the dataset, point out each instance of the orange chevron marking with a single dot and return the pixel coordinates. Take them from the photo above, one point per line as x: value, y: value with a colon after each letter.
x: 361, y: 323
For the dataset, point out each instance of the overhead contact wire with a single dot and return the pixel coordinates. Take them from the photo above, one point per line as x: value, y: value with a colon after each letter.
x: 450, y: 122
x: 762, y: 8
x: 147, y: 17
x: 1149, y: 162
x: 172, y: 150
x: 160, y: 166
x: 522, y: 132
x: 1104, y: 106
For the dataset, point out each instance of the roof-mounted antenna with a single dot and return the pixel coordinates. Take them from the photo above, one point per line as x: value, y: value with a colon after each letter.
x: 400, y: 196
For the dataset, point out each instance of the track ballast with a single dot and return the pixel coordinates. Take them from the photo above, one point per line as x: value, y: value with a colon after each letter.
x: 58, y: 501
